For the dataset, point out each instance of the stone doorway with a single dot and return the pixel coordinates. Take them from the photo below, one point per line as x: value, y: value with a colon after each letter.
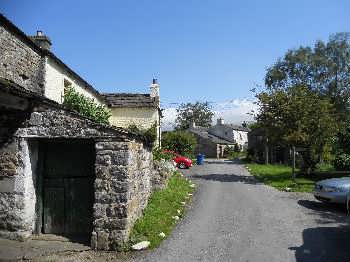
x: 66, y: 183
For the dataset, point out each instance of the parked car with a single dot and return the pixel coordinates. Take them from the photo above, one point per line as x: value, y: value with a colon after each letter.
x: 334, y: 190
x: 180, y: 161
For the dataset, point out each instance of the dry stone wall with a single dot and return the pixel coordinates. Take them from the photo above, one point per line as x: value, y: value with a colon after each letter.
x: 122, y: 189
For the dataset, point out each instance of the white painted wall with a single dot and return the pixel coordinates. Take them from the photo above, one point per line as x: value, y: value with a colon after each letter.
x: 142, y: 117
x: 54, y: 82
x: 228, y: 133
x: 241, y: 138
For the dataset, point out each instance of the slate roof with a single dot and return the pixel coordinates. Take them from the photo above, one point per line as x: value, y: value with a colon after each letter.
x: 203, y: 132
x: 238, y: 127
x: 131, y: 100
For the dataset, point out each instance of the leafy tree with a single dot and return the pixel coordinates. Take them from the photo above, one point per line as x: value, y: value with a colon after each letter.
x: 297, y: 116
x: 325, y: 68
x: 199, y: 112
x: 180, y: 142
x: 86, y: 106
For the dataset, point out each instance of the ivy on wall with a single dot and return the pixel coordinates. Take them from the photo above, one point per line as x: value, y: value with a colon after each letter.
x: 86, y: 106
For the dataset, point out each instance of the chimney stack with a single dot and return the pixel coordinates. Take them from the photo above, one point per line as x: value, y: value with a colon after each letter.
x: 154, y: 88
x: 42, y: 40
x: 220, y: 121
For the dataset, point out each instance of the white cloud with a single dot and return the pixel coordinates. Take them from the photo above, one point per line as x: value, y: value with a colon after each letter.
x: 233, y: 111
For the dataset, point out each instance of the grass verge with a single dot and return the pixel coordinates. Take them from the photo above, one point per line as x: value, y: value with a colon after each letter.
x: 162, y: 207
x: 280, y: 177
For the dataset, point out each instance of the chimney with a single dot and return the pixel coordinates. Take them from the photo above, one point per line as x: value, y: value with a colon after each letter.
x: 220, y: 122
x: 41, y: 40
x: 154, y: 88
x: 193, y: 125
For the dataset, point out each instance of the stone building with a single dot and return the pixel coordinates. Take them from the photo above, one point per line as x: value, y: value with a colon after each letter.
x: 209, y: 145
x: 213, y: 140
x: 61, y: 173
x: 234, y: 133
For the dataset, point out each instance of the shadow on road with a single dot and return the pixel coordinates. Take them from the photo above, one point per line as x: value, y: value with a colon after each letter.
x: 228, y: 178
x: 324, y: 244
x: 327, y: 213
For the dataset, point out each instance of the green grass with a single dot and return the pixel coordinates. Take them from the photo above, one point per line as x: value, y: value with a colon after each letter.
x: 158, y: 215
x: 280, y: 177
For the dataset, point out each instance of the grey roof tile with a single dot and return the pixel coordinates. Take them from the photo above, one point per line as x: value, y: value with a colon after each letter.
x: 131, y: 100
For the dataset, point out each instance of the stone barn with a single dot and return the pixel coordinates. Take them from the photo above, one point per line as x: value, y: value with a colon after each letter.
x: 61, y: 173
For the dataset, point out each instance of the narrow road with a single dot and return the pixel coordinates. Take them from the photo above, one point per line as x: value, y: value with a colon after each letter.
x: 234, y: 218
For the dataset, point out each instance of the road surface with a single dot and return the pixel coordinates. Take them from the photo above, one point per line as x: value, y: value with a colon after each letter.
x: 234, y: 218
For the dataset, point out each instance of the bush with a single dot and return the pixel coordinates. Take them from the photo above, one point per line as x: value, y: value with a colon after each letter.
x: 342, y: 162
x: 150, y: 134
x: 159, y: 154
x: 86, y: 106
x: 180, y: 142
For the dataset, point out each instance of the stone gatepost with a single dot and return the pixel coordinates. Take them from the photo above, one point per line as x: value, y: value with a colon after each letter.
x: 122, y: 188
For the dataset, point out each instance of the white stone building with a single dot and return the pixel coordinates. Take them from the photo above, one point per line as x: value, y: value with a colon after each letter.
x: 233, y: 133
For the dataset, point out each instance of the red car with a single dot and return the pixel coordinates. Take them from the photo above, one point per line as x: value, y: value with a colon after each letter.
x: 181, y: 161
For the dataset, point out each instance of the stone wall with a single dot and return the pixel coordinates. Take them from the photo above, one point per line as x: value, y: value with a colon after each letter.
x: 17, y: 191
x: 122, y: 189
x: 20, y: 62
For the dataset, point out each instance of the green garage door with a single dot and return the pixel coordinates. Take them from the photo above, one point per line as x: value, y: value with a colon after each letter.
x: 68, y: 187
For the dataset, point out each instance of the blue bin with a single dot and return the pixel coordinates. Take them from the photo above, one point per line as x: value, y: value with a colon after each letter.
x: 200, y: 159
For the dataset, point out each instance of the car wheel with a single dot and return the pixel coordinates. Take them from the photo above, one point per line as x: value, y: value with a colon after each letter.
x: 182, y: 165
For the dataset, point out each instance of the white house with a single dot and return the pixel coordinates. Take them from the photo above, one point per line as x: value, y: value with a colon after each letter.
x: 233, y: 133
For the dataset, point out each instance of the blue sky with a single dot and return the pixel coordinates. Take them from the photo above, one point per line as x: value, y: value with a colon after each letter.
x: 199, y: 50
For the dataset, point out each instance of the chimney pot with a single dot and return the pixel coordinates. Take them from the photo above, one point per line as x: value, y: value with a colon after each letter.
x: 154, y: 88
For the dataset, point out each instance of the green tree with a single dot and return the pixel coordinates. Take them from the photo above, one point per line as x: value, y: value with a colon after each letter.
x: 297, y: 116
x: 325, y: 68
x: 199, y: 112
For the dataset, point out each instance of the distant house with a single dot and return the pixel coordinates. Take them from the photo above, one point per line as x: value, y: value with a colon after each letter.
x: 234, y: 133
x: 212, y: 141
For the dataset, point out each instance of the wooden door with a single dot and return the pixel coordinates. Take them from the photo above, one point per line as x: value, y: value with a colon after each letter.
x: 68, y: 188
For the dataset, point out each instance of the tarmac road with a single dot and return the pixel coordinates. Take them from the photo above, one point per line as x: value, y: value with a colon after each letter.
x: 234, y: 218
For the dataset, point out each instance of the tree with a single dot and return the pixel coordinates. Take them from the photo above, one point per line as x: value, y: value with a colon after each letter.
x: 325, y: 68
x: 199, y: 112
x: 297, y: 116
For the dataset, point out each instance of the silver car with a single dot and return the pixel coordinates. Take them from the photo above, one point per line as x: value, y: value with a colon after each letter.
x: 334, y: 190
